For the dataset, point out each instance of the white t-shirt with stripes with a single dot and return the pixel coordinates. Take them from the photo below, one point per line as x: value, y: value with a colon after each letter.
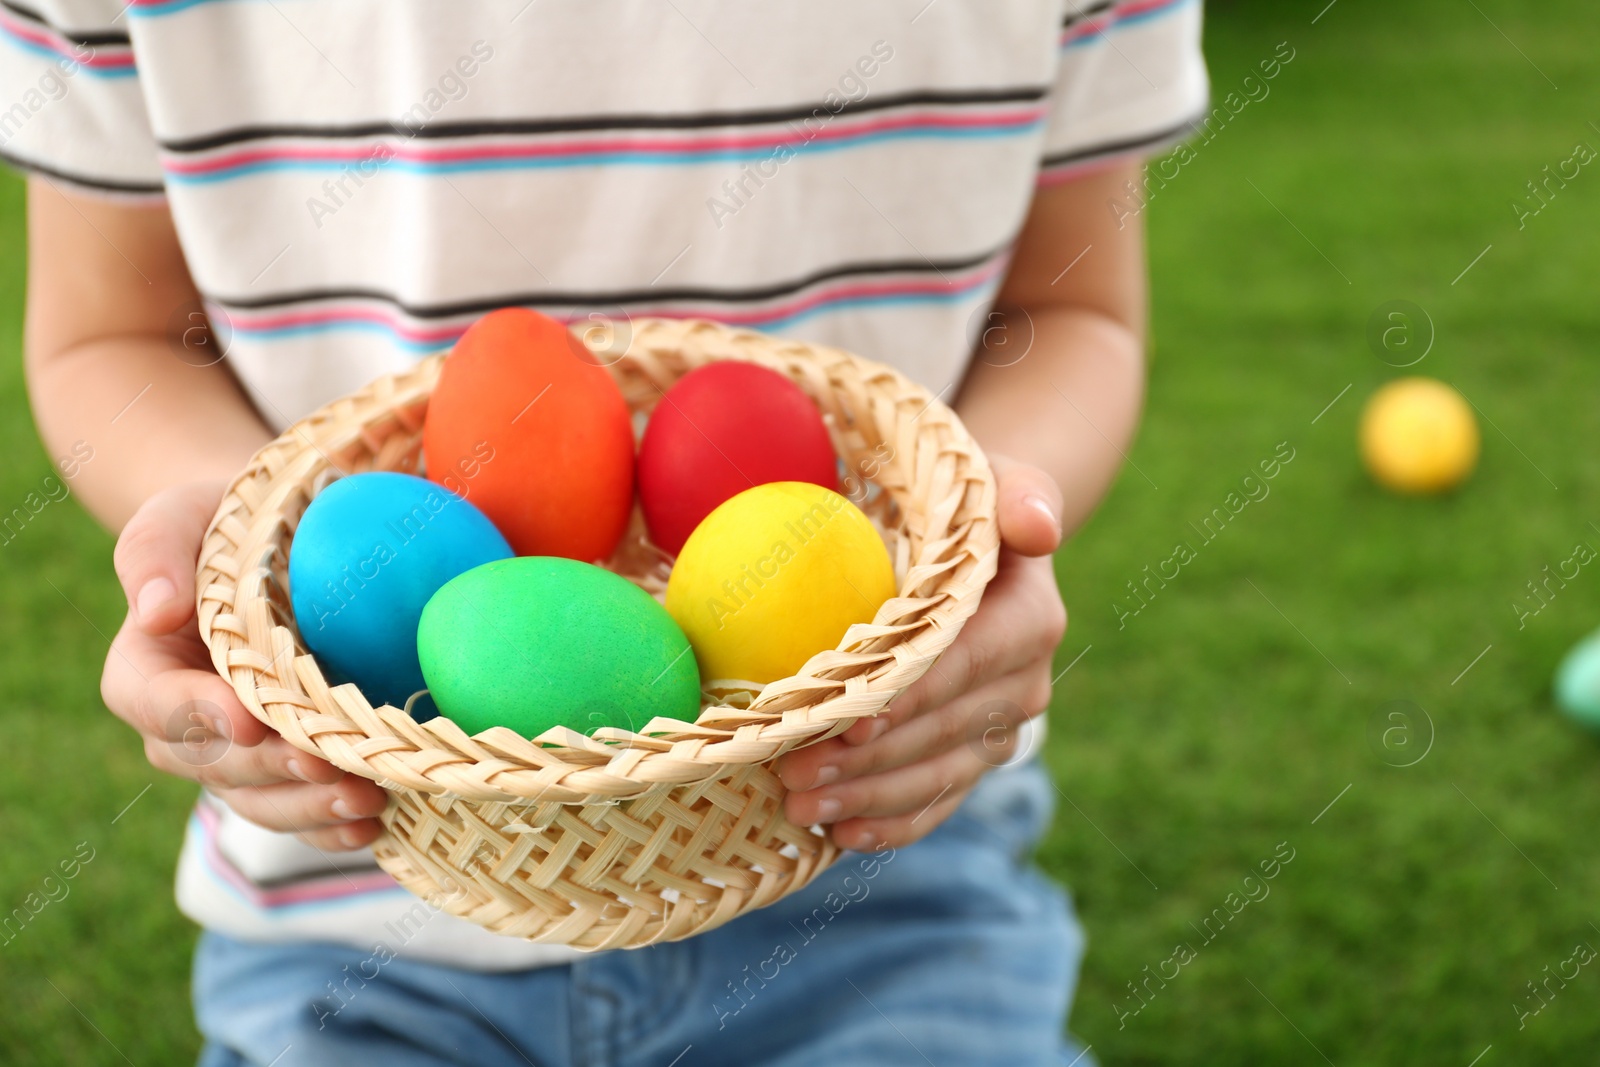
x: 355, y: 183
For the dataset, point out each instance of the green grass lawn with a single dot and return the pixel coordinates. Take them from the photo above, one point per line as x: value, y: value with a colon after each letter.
x: 1220, y: 722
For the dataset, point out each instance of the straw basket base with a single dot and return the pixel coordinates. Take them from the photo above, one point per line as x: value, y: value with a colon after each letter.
x: 623, y: 874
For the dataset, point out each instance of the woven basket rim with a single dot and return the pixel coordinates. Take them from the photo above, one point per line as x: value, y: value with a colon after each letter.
x: 940, y: 580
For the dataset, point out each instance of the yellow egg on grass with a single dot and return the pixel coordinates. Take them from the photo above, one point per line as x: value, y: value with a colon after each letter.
x: 1418, y: 435
x: 773, y: 576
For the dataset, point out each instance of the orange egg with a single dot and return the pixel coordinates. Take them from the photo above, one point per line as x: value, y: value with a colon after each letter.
x: 535, y: 435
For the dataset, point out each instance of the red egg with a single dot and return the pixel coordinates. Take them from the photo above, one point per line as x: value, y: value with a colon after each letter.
x: 721, y: 429
x: 536, y: 436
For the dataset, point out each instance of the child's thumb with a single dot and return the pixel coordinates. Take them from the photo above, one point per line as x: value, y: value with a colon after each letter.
x: 1029, y: 507
x: 156, y: 554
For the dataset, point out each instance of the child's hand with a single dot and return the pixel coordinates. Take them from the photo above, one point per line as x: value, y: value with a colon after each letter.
x: 159, y: 679
x: 892, y: 779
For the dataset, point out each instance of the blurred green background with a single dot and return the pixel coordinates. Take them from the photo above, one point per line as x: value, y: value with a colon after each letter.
x: 1225, y: 717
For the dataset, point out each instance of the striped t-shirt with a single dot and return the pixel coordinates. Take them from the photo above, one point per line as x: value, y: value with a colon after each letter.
x: 354, y: 183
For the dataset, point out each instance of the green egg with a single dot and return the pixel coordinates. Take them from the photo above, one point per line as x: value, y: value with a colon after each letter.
x: 538, y: 641
x: 1578, y: 683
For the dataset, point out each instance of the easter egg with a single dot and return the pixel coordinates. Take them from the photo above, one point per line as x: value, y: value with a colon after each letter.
x: 1418, y: 435
x: 539, y: 641
x: 719, y: 430
x: 1577, y: 687
x: 774, y: 576
x: 535, y: 435
x: 370, y: 551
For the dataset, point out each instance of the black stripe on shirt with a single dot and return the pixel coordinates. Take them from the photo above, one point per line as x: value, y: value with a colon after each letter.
x: 622, y: 297
x: 107, y: 38
x: 595, y: 123
x: 344, y: 871
x: 107, y: 185
x: 1111, y: 148
x: 1088, y: 11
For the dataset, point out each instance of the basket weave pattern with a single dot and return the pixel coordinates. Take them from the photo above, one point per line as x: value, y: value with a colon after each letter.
x: 620, y: 839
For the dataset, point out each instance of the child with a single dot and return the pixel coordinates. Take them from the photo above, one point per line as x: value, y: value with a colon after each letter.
x: 338, y: 188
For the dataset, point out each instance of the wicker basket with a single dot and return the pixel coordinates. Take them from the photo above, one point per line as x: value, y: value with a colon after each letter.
x: 621, y: 839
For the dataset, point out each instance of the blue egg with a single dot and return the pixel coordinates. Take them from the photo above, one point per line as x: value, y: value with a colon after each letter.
x: 1578, y: 683
x: 370, y: 551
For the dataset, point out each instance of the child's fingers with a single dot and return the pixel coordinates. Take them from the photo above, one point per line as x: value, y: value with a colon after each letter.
x: 203, y: 757
x: 192, y: 722
x: 298, y: 808
x: 903, y: 791
x: 175, y: 704
x: 1020, y: 619
x: 970, y: 720
x: 194, y: 726
x: 344, y: 837
x: 897, y: 831
x: 156, y: 554
x: 144, y: 685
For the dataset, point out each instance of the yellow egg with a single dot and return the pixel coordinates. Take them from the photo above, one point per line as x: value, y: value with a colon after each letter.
x: 773, y: 576
x: 1418, y: 435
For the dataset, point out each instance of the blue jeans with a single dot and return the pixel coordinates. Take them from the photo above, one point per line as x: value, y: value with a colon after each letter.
x: 955, y: 951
